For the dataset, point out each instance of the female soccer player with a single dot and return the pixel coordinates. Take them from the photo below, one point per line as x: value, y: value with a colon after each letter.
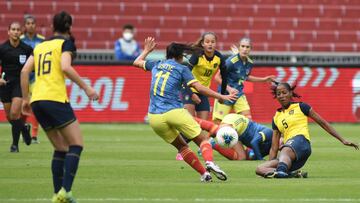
x: 32, y: 38
x: 251, y: 134
x: 13, y: 55
x: 238, y: 70
x: 204, y: 66
x: 51, y: 61
x: 291, y: 122
x: 167, y: 117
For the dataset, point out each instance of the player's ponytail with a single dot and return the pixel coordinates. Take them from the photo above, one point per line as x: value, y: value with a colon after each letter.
x: 62, y: 22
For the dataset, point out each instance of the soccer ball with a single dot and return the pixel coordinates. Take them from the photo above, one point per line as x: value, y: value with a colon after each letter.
x: 226, y: 137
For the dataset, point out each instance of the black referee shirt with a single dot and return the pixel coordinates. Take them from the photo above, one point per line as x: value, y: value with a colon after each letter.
x: 13, y: 58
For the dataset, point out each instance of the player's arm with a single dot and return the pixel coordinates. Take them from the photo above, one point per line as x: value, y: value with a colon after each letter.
x: 218, y: 80
x: 223, y: 75
x: 24, y: 82
x: 274, y: 145
x: 326, y: 126
x: 149, y: 46
x: 210, y: 93
x: 70, y: 72
x: 269, y: 78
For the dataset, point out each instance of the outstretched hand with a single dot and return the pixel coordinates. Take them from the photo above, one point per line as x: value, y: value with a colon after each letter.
x: 149, y: 44
x: 2, y: 82
x: 230, y: 97
x: 351, y: 144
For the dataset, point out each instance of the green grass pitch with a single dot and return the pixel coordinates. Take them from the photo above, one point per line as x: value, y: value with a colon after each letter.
x: 129, y: 163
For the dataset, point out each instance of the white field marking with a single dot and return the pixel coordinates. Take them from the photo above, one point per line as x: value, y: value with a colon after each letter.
x: 187, y: 200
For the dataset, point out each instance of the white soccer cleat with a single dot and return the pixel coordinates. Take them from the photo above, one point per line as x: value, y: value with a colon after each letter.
x: 206, y: 177
x: 215, y: 169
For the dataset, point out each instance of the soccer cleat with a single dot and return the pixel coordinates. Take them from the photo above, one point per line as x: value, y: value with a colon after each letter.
x: 14, y: 148
x: 179, y: 157
x: 270, y: 174
x: 298, y: 174
x: 211, y: 167
x: 206, y: 177
x: 34, y: 140
x: 64, y: 197
x: 276, y: 174
x: 26, y: 134
x: 281, y: 174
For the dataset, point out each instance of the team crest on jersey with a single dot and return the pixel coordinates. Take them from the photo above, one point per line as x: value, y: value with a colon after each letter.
x: 22, y: 59
x: 291, y: 112
x: 215, y: 65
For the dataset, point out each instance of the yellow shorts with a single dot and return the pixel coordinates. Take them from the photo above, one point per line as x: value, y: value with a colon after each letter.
x: 221, y: 110
x: 168, y: 125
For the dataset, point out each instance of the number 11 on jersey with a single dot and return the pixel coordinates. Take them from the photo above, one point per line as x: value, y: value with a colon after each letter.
x: 158, y: 76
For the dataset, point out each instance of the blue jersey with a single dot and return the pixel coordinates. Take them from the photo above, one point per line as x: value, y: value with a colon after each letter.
x: 237, y: 71
x: 37, y: 39
x: 167, y: 78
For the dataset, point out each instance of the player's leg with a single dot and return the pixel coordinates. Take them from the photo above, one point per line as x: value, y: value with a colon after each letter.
x: 57, y: 164
x: 18, y: 124
x: 15, y: 134
x: 182, y: 121
x: 220, y: 111
x: 242, y: 107
x: 59, y: 144
x: 35, y: 129
x: 267, y: 168
x: 167, y: 131
x: 203, y: 108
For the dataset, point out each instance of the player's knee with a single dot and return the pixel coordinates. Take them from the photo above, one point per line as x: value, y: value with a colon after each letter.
x: 14, y: 115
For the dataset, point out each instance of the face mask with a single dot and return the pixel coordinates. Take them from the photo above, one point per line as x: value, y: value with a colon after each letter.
x: 128, y: 36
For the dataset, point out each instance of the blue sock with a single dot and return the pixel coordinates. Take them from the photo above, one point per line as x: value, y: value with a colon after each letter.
x: 282, y: 167
x: 57, y: 169
x: 71, y: 164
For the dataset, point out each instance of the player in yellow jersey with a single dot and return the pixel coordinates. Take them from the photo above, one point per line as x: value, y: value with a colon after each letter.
x: 51, y: 61
x: 203, y: 67
x: 291, y: 122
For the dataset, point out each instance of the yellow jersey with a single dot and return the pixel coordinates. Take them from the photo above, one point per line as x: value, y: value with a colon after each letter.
x: 292, y: 121
x: 238, y: 121
x: 204, y: 68
x: 49, y: 77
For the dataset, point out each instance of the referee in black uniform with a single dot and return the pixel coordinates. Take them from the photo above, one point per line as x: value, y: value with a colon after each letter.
x: 13, y: 55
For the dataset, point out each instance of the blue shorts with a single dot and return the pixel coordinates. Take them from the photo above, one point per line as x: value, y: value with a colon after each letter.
x: 302, y: 148
x: 204, y: 104
x: 53, y: 115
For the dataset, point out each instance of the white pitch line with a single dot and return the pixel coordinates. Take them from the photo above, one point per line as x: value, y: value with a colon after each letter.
x: 187, y: 200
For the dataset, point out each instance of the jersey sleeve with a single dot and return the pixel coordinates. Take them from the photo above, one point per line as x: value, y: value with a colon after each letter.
x: 305, y: 108
x: 274, y: 127
x: 149, y: 65
x: 188, y: 76
x: 69, y: 46
x: 194, y: 59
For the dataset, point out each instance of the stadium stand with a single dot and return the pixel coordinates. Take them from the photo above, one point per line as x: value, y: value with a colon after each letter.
x: 305, y: 25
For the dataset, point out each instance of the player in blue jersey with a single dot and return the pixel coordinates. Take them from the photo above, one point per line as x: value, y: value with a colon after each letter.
x: 291, y: 122
x: 251, y: 134
x: 238, y: 70
x: 32, y: 38
x: 167, y: 117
